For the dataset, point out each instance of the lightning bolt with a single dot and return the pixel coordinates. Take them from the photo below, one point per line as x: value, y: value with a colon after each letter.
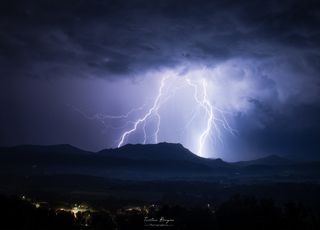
x: 103, y: 117
x: 211, y: 112
x: 208, y: 108
x: 205, y: 104
x: 144, y: 133
x: 153, y: 110
x: 214, y: 118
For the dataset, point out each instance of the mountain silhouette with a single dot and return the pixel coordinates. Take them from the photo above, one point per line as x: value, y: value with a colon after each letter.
x: 137, y: 161
x: 270, y: 160
x: 161, y: 151
x: 161, y: 158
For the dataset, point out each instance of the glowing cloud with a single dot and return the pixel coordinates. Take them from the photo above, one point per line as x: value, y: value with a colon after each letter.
x: 191, y: 106
x: 214, y: 118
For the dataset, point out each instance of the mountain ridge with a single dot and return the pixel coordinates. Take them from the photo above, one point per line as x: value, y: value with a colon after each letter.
x: 123, y: 151
x: 266, y: 160
x: 137, y: 161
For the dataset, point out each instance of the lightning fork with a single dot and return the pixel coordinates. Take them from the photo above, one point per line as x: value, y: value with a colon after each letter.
x: 153, y: 110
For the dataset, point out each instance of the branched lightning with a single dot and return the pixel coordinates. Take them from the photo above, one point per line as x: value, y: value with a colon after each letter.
x: 153, y: 110
x: 103, y: 117
x: 212, y: 117
x: 207, y: 107
x: 211, y: 114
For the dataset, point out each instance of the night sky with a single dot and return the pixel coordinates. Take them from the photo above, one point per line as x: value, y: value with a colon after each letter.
x: 70, y: 69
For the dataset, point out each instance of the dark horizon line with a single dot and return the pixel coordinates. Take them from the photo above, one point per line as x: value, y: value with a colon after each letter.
x: 131, y: 144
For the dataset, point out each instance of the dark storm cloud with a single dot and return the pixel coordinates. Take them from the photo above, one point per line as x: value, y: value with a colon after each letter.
x: 103, y: 38
x: 113, y: 39
x: 293, y: 133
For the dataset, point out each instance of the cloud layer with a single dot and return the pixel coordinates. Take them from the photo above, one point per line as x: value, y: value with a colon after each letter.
x: 272, y: 46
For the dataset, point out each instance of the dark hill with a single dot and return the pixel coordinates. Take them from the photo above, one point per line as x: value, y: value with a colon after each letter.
x: 161, y: 151
x: 271, y: 160
x: 152, y: 161
x: 165, y: 159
